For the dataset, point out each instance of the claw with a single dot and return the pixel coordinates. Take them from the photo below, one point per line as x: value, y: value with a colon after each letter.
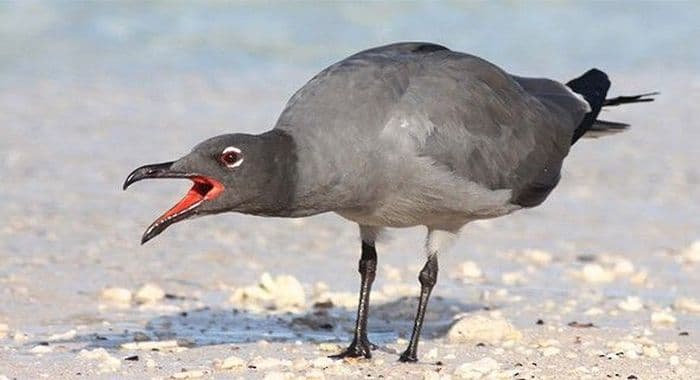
x: 408, y: 357
x: 356, y: 350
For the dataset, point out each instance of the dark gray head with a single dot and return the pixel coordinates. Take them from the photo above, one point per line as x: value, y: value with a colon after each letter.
x: 252, y: 174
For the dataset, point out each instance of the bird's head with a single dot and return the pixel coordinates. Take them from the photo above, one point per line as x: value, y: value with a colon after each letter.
x: 229, y: 173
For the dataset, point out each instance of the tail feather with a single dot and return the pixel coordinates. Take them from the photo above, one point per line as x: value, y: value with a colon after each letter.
x: 594, y: 86
x: 603, y: 128
x: 629, y: 99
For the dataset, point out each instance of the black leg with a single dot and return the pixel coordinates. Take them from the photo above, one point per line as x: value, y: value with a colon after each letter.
x: 360, y: 345
x: 427, y: 278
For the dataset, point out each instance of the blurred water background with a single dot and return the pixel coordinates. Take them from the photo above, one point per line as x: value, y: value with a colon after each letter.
x: 90, y: 90
x: 132, y: 40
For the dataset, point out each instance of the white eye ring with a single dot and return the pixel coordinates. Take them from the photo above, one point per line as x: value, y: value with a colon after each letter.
x: 226, y: 155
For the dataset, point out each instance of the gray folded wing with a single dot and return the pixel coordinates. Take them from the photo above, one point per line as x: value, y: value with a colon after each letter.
x: 462, y: 112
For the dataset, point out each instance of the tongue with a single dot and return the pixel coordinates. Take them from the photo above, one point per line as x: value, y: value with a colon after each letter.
x: 203, y: 189
x: 193, y: 197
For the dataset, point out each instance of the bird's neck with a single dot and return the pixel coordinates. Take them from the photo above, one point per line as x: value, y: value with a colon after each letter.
x: 275, y: 177
x: 280, y: 192
x: 297, y: 178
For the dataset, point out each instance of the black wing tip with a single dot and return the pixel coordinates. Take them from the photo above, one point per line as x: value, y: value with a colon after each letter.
x: 595, y: 72
x: 591, y: 79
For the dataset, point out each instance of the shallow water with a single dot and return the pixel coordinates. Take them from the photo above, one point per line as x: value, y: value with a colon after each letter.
x: 90, y: 91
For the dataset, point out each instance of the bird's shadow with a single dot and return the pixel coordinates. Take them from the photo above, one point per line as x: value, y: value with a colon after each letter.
x: 322, y: 323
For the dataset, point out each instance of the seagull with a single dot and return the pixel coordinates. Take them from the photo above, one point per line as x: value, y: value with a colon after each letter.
x: 406, y: 134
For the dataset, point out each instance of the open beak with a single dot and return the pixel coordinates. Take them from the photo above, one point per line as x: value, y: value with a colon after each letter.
x: 204, y: 189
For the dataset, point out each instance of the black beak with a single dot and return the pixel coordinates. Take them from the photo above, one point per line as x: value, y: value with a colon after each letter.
x: 153, y: 171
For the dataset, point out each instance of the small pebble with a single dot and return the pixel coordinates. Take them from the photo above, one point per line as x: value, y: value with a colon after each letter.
x: 673, y: 360
x: 580, y: 325
x: 627, y: 348
x: 537, y: 256
x: 106, y: 362
x: 279, y: 293
x: 691, y: 254
x: 20, y: 337
x: 432, y: 354
x: 482, y: 329
x: 68, y: 335
x: 299, y: 364
x: 232, y: 362
x: 671, y: 347
x: 329, y: 347
x: 266, y: 363
x: 631, y: 303
x: 192, y: 374
x: 687, y: 304
x: 116, y: 295
x: 140, y: 337
x: 477, y: 369
x: 623, y: 267
x: 322, y: 362
x: 149, y: 293
x: 513, y: 278
x: 469, y: 270
x: 639, y: 278
x: 594, y: 311
x: 651, y: 351
x: 314, y: 374
x: 549, y: 351
x: 150, y: 345
x: 663, y: 317
x: 41, y: 349
x: 278, y: 376
x: 595, y: 273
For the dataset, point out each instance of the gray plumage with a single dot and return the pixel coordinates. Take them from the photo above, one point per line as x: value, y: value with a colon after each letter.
x: 416, y: 134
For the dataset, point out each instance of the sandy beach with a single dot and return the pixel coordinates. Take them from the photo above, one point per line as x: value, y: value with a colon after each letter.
x: 599, y: 282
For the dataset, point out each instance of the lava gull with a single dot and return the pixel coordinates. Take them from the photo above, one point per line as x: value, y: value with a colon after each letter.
x: 407, y: 134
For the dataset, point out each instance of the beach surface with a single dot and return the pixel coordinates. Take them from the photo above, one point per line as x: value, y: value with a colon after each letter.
x: 601, y: 281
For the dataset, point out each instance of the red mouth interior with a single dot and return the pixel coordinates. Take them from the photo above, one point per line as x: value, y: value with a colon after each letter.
x: 203, y: 189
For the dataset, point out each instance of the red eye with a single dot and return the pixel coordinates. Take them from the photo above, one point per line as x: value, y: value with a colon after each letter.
x: 231, y: 157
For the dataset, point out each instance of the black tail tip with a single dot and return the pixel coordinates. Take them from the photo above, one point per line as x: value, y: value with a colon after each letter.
x: 593, y: 83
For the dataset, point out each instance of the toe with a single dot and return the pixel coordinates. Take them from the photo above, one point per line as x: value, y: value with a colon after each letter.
x: 408, y: 357
x: 353, y: 352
